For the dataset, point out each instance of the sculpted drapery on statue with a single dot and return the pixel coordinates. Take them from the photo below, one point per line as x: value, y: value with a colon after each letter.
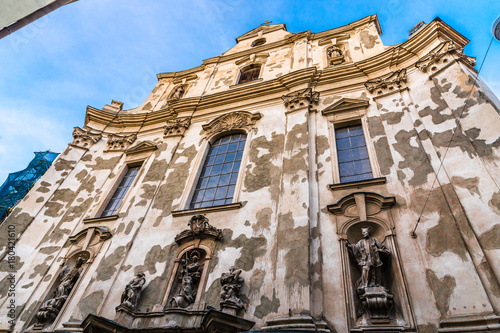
x: 132, y: 292
x: 68, y: 278
x: 189, y: 279
x: 231, y: 285
x: 367, y: 254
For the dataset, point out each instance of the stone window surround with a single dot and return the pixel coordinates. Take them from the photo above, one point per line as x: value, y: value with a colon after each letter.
x: 340, y: 119
x: 95, y: 215
x: 253, y: 59
x: 198, y: 166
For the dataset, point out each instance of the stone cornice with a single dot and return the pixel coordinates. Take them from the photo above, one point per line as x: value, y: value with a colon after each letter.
x: 353, y: 75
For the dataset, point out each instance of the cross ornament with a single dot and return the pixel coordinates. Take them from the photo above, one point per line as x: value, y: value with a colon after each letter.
x: 266, y: 23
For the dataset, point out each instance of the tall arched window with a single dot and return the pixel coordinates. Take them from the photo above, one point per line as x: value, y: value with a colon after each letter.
x: 220, y: 172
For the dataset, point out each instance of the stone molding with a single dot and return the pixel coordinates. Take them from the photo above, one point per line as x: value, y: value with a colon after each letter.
x: 304, y: 98
x: 199, y: 227
x: 141, y: 147
x: 358, y: 184
x: 230, y: 121
x: 430, y: 63
x: 176, y: 127
x: 204, y: 210
x: 120, y: 142
x: 84, y: 138
x: 345, y: 105
x: 391, y: 82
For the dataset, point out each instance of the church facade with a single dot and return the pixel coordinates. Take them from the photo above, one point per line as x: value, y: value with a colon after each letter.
x: 297, y: 182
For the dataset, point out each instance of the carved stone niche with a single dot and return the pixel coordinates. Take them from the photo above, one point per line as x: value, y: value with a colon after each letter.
x: 442, y: 57
x: 84, y: 138
x: 84, y: 247
x: 190, y: 270
x: 376, y: 294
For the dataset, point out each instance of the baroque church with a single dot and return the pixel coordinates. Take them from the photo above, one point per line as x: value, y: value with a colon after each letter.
x: 299, y: 182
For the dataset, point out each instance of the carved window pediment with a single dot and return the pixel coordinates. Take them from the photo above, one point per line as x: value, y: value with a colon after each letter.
x: 230, y: 121
x: 345, y: 105
x: 141, y: 147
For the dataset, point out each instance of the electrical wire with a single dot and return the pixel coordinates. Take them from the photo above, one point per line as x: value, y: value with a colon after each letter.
x: 414, y: 235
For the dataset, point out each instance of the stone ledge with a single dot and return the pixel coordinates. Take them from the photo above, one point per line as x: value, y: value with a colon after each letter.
x: 205, y: 210
x: 358, y: 184
x: 100, y: 219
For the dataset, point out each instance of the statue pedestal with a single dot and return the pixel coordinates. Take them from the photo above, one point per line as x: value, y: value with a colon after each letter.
x: 229, y: 308
x: 377, y: 303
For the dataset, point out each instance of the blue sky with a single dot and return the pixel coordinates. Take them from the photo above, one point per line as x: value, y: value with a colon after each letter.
x: 93, y: 51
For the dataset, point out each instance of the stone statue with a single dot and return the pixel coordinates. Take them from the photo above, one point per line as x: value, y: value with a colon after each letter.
x: 190, y: 276
x: 367, y: 254
x: 376, y: 301
x: 67, y: 280
x: 231, y: 285
x: 132, y: 292
x: 335, y: 55
x: 178, y: 93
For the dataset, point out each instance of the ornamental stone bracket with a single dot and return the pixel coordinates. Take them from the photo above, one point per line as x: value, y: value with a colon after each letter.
x: 199, y: 228
x: 392, y: 82
x: 234, y: 120
x: 436, y: 59
x: 176, y: 127
x: 305, y: 98
x: 120, y: 142
x: 84, y: 138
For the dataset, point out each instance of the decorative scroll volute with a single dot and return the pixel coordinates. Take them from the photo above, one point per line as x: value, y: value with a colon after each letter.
x: 433, y: 59
x: 300, y: 99
x: 84, y: 138
x: 176, y: 127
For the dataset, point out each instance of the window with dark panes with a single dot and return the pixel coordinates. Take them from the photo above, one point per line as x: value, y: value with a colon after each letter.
x: 249, y: 73
x: 354, y: 163
x: 121, y: 191
x: 220, y: 172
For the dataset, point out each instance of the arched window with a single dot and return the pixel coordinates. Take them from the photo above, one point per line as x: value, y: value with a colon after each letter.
x: 220, y: 172
x: 249, y: 73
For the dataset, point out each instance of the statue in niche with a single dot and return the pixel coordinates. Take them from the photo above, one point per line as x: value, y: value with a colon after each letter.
x: 335, y: 55
x: 189, y: 278
x: 367, y: 253
x: 68, y: 278
x: 132, y: 292
x: 374, y: 295
x: 231, y: 285
x: 179, y: 92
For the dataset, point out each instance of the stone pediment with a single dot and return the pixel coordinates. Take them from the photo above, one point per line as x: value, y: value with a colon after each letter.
x: 264, y: 28
x: 198, y: 228
x: 345, y: 104
x: 141, y: 147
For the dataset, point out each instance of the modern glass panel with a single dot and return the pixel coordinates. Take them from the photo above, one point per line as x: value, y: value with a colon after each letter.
x: 217, y: 181
x: 120, y: 191
x: 352, y: 153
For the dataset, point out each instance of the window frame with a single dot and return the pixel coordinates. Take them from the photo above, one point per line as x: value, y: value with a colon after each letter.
x: 200, y: 162
x: 356, y: 120
x: 242, y: 69
x: 115, y: 186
